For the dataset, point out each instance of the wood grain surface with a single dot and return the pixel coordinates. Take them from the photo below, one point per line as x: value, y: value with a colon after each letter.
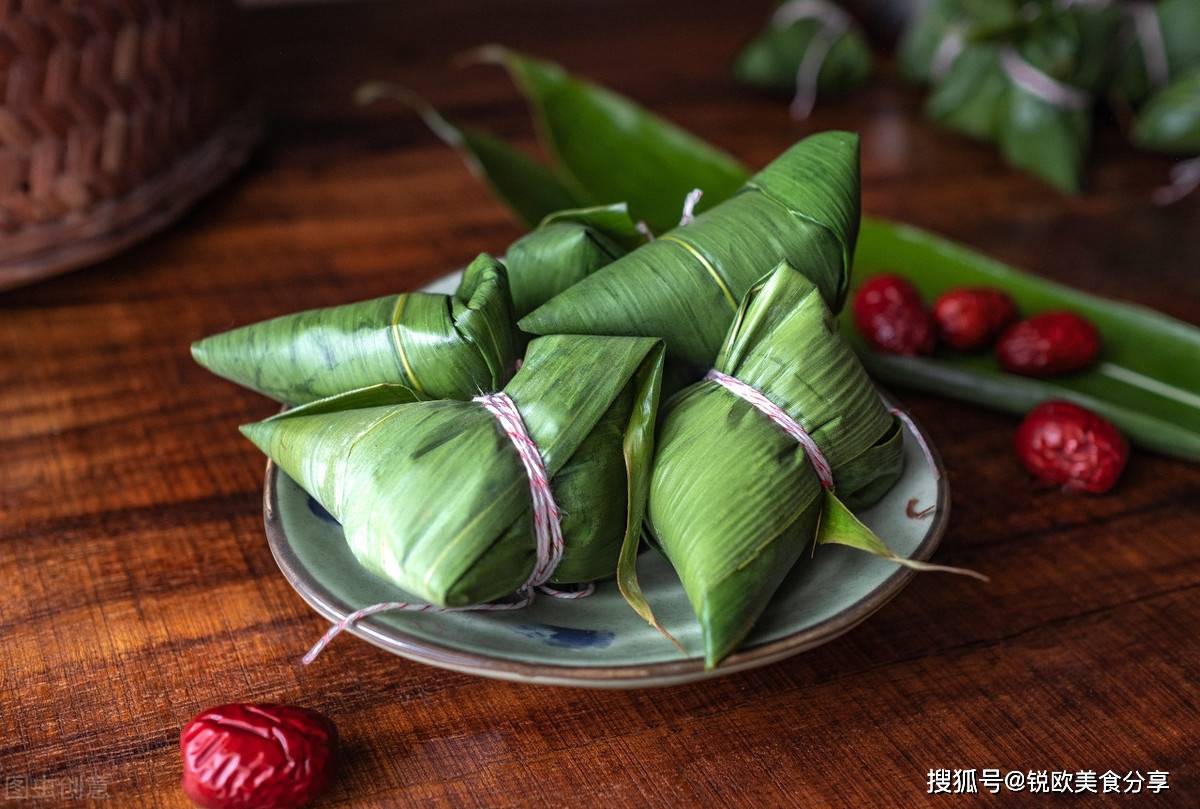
x: 136, y: 586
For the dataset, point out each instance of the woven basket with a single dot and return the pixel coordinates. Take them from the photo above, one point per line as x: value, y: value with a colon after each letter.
x: 115, y: 116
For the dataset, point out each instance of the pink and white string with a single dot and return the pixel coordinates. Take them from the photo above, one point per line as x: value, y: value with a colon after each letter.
x: 689, y: 207
x: 686, y: 216
x: 778, y: 415
x: 547, y: 531
x: 1042, y: 85
x: 832, y: 23
x: 1184, y: 179
x: 1149, y: 35
x: 919, y: 437
x: 948, y: 51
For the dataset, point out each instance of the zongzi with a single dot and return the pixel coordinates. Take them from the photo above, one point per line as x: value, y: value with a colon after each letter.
x: 434, y: 496
x: 685, y: 286
x: 439, y: 346
x: 1022, y: 75
x: 811, y: 48
x: 736, y: 493
x: 1163, y: 43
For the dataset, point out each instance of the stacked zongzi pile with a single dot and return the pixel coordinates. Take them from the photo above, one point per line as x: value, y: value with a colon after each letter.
x: 442, y: 489
x: 1026, y: 74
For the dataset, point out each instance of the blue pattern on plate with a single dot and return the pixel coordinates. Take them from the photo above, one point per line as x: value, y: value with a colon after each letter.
x: 319, y: 511
x: 566, y: 637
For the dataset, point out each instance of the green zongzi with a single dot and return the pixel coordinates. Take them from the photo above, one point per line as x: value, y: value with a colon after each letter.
x: 1163, y: 44
x: 1023, y: 75
x: 734, y: 498
x: 811, y: 48
x: 434, y: 495
x: 439, y: 346
x: 685, y: 286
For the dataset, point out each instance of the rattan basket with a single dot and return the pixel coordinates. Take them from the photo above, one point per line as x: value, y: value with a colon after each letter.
x: 115, y: 116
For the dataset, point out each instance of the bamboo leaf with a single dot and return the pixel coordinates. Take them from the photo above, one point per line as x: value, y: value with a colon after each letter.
x: 639, y: 454
x: 379, y: 395
x: 584, y: 126
x: 567, y: 247
x: 1147, y: 382
x: 611, y: 220
x: 839, y: 526
x: 530, y: 189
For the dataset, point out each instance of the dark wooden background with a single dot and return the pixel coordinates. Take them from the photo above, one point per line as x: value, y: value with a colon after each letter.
x: 136, y: 586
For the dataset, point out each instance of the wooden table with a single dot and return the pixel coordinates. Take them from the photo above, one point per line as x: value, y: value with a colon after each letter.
x: 137, y: 583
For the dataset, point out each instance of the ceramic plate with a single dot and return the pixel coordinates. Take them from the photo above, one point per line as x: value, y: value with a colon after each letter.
x: 599, y: 641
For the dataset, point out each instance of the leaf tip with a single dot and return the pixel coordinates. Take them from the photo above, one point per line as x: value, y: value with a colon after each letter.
x: 373, y: 91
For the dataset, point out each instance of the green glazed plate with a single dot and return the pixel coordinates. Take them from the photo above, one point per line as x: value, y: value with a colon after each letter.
x: 599, y: 641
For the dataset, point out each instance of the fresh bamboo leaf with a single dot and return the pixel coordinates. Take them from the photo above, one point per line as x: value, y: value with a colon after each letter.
x: 527, y: 187
x: 839, y: 526
x: 568, y: 243
x: 584, y: 126
x: 1147, y: 381
x: 639, y: 455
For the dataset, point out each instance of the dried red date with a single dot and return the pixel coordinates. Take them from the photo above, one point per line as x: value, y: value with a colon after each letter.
x: 244, y: 756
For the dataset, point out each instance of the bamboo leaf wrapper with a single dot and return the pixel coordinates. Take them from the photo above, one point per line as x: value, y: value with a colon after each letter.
x: 432, y: 495
x: 734, y: 500
x: 810, y: 48
x: 567, y: 247
x: 439, y: 346
x: 685, y: 286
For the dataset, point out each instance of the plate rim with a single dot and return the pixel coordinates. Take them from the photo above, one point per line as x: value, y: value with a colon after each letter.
x: 670, y: 672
